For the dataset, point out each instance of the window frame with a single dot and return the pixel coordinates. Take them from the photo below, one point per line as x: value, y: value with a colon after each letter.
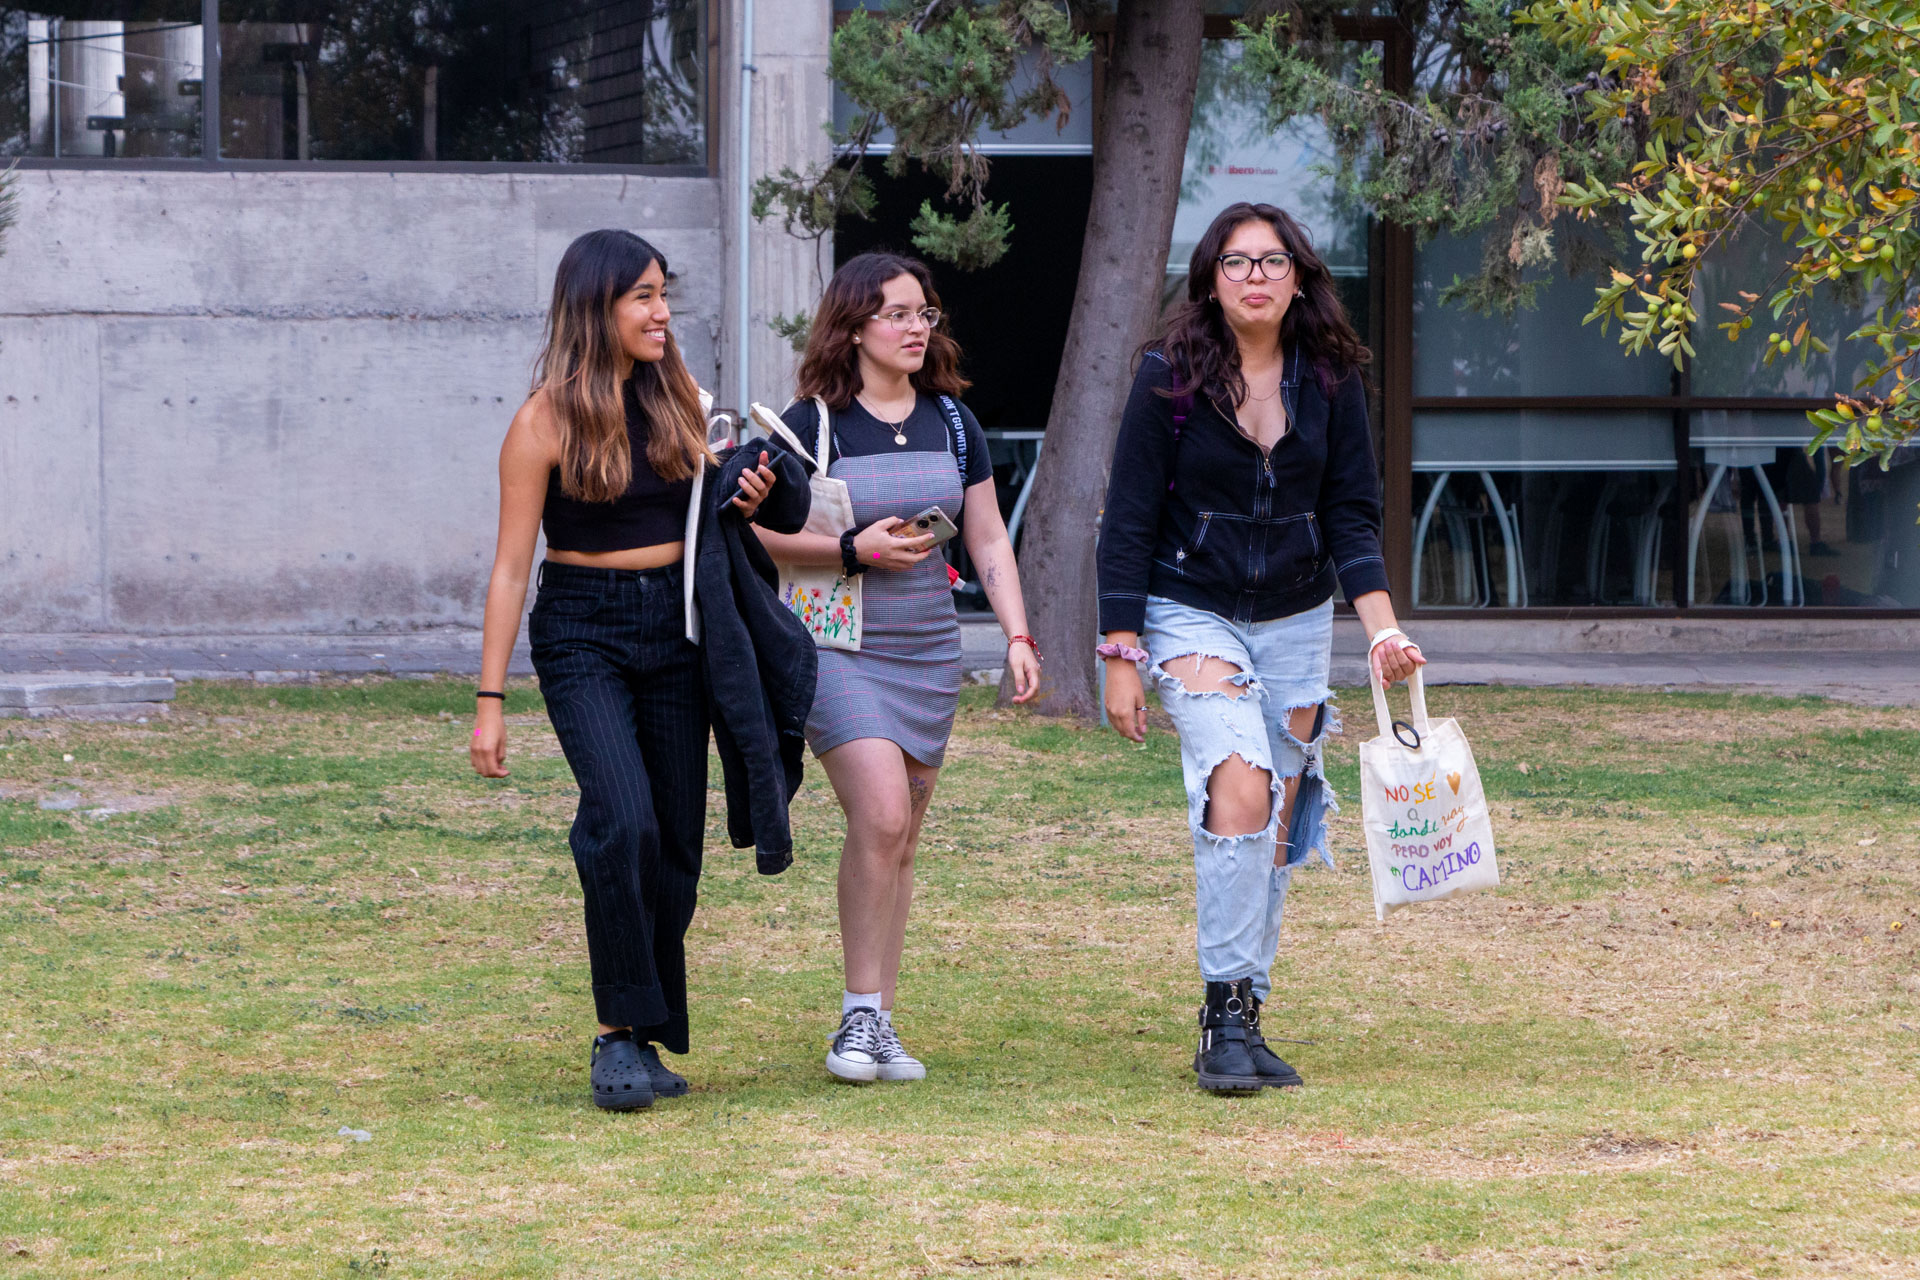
x: 211, y: 161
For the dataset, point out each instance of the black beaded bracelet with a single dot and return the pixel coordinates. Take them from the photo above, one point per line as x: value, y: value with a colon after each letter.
x: 489, y: 693
x: 849, y: 558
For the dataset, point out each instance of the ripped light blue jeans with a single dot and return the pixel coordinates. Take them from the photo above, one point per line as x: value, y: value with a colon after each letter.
x: 1283, y: 666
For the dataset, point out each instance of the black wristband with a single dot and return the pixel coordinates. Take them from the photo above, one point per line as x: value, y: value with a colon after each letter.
x: 849, y: 558
x: 489, y: 693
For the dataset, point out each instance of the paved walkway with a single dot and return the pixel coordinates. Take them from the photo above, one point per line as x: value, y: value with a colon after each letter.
x: 1877, y: 678
x: 266, y: 658
x: 1874, y: 679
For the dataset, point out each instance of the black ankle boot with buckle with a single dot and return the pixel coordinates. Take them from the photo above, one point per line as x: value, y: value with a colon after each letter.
x: 1223, y: 1061
x: 1274, y: 1071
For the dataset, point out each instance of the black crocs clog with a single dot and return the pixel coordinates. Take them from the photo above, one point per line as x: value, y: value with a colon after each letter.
x: 621, y: 1081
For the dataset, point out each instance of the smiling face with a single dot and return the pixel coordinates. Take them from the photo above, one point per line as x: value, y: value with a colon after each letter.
x: 1255, y: 302
x: 640, y: 316
x: 884, y: 348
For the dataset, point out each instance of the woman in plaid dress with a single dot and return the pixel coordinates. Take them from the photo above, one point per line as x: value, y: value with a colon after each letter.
x: 882, y: 715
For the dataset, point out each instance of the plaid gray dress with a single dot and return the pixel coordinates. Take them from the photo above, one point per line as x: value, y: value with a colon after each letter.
x: 904, y: 683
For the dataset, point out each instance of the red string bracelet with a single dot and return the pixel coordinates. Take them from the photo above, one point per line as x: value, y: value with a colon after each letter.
x: 1030, y: 642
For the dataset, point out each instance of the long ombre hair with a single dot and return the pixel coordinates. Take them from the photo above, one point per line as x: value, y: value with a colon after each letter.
x: 830, y: 368
x: 1200, y: 345
x: 579, y: 369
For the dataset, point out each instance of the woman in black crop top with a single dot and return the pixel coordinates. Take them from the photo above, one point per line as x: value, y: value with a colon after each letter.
x: 608, y: 451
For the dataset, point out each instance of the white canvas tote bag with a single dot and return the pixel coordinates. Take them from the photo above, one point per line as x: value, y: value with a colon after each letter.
x: 824, y: 598
x: 1428, y: 831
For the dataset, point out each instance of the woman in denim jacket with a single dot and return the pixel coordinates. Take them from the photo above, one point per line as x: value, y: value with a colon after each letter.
x: 1243, y: 487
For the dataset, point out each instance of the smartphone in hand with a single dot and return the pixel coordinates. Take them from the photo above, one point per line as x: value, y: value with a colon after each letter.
x: 931, y: 521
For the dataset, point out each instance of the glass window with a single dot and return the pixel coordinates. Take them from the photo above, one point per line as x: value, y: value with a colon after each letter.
x: 532, y: 81
x: 1543, y: 350
x: 1233, y: 154
x: 1561, y: 507
x: 484, y: 80
x: 1534, y: 507
x: 86, y: 81
x: 1040, y: 135
x: 1557, y: 440
x: 1772, y: 525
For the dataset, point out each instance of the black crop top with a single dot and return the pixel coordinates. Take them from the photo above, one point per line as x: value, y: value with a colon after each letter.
x: 651, y: 512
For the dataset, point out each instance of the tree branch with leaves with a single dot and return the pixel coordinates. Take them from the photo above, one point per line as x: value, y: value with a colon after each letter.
x: 1804, y: 115
x: 1483, y: 142
x: 938, y: 74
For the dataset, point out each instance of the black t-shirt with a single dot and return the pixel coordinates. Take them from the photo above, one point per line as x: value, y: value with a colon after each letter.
x: 857, y: 433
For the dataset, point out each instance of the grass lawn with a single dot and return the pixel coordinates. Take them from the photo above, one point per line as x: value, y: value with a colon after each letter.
x: 1681, y: 1040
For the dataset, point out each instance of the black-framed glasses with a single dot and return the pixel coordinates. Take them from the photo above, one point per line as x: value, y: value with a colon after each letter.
x: 1273, y: 266
x: 901, y: 318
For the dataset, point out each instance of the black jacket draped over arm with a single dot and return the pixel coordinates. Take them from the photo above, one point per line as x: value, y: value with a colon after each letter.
x: 761, y: 663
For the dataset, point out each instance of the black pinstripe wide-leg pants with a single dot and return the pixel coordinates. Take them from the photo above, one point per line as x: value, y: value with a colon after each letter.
x: 626, y: 693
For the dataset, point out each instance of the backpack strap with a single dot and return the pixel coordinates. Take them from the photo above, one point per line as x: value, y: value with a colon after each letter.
x: 958, y: 427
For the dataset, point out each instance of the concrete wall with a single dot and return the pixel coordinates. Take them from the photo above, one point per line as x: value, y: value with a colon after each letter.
x: 273, y: 401
x: 792, y: 105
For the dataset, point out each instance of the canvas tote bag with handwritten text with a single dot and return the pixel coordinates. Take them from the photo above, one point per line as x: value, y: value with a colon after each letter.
x: 1428, y: 831
x: 826, y: 600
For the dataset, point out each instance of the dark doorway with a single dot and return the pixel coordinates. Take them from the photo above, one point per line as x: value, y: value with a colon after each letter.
x: 1011, y: 318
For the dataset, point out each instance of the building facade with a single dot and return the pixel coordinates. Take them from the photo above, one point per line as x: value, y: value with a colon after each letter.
x: 256, y: 360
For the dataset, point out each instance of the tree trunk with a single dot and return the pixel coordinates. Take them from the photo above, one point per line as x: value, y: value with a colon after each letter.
x: 1140, y: 141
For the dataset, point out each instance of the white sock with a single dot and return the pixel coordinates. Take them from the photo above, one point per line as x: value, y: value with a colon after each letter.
x: 851, y: 1000
x: 886, y: 1016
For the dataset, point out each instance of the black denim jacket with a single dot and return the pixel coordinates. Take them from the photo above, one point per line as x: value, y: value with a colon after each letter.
x: 1197, y: 512
x: 761, y: 661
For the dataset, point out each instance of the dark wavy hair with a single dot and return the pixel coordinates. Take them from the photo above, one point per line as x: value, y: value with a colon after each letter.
x: 830, y: 368
x: 1199, y: 344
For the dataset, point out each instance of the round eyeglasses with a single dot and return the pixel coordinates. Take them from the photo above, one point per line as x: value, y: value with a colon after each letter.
x: 900, y: 319
x: 1238, y: 266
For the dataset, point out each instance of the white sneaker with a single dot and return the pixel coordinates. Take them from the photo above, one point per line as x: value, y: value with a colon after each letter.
x: 893, y: 1062
x: 853, y: 1054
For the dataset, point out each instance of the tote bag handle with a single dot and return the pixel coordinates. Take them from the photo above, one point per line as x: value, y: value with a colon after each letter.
x: 823, y: 438
x: 1394, y: 729
x: 767, y: 420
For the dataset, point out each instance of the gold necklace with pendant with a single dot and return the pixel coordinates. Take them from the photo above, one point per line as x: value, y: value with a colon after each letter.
x: 899, y: 428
